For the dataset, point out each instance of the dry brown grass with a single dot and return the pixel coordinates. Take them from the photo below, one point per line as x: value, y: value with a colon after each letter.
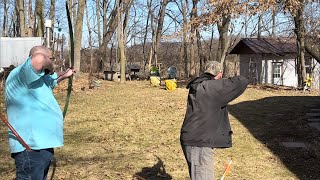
x: 119, y: 130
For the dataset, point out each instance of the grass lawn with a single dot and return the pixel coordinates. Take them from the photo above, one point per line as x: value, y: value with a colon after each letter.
x: 131, y: 131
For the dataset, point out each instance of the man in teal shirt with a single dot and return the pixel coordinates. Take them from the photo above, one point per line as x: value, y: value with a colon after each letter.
x: 34, y: 113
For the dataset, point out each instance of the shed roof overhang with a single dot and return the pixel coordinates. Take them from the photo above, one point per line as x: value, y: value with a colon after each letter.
x: 278, y: 46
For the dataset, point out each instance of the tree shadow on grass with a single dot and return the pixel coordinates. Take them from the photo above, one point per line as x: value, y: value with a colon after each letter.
x: 274, y: 120
x: 156, y: 172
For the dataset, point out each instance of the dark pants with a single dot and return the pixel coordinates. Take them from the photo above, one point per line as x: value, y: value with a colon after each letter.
x: 200, y: 162
x: 33, y: 165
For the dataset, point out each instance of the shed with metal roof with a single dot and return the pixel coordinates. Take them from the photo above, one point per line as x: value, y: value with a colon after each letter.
x: 272, y: 61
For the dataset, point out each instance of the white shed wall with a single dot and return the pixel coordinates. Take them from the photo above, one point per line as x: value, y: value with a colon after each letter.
x: 290, y: 77
x: 265, y: 69
x: 316, y: 75
x: 14, y: 51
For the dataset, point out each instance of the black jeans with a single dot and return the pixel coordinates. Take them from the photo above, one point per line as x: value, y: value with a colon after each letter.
x: 34, y: 164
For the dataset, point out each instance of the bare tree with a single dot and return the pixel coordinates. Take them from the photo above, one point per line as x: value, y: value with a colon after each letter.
x: 144, y: 47
x: 40, y: 17
x: 156, y: 31
x: 260, y: 16
x: 20, y: 8
x: 224, y: 41
x: 122, y: 56
x: 78, y: 34
x: 153, y: 30
x: 274, y: 14
x: 300, y: 32
x: 194, y: 23
x: 126, y: 12
x: 201, y: 56
x: 161, y: 15
x: 31, y: 23
x: 5, y: 19
x: 184, y: 37
x: 91, y: 53
x: 108, y: 29
x: 98, y: 21
x: 52, y: 16
x: 312, y: 22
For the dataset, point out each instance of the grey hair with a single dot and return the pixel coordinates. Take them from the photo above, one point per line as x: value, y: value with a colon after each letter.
x: 213, y: 67
x: 39, y: 50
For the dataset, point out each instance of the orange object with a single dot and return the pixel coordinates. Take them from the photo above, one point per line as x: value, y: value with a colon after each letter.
x: 226, y: 170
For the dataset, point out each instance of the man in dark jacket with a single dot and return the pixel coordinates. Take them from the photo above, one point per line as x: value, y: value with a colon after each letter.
x: 206, y: 124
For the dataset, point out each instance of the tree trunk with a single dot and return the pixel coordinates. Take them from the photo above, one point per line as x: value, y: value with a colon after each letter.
x: 111, y: 53
x: 161, y: 15
x: 127, y: 4
x: 21, y: 16
x: 274, y: 14
x: 184, y: 38
x: 104, y: 17
x: 260, y: 25
x: 224, y: 43
x: 120, y: 43
x: 192, y: 58
x: 98, y: 21
x: 78, y: 35
x: 14, y: 25
x: 90, y: 77
x: 199, y: 46
x: 40, y: 18
x: 313, y: 50
x: 144, y: 47
x: 103, y: 48
x: 192, y: 34
x: 31, y: 20
x: 151, y: 52
x: 5, y: 19
x: 17, y: 19
x: 200, y: 52
x: 109, y: 30
x: 52, y: 16
x: 300, y: 32
x: 74, y: 5
x: 211, y: 54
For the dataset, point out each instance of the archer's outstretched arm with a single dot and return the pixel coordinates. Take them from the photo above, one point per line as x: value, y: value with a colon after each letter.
x: 63, y: 75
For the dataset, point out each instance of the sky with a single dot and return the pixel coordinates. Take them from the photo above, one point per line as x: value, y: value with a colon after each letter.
x: 171, y: 27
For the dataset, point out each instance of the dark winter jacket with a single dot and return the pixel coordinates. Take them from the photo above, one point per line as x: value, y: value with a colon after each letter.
x: 206, y: 122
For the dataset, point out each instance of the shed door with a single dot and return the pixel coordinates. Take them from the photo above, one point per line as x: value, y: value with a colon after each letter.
x: 276, y: 73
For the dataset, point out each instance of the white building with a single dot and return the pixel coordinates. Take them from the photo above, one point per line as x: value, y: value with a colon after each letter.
x: 273, y: 61
x: 14, y: 51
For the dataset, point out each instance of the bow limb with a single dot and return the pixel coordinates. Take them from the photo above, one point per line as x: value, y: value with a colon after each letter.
x: 71, y: 59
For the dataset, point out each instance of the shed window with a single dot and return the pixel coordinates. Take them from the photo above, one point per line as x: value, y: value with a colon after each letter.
x: 308, y: 65
x: 276, y: 70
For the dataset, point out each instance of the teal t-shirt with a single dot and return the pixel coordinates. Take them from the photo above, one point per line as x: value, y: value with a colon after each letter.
x: 32, y: 109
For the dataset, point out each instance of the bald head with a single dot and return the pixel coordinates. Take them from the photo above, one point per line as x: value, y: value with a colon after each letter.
x: 40, y: 50
x: 42, y: 59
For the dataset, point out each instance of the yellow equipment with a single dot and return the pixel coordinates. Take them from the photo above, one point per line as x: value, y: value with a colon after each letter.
x: 170, y: 84
x: 155, y: 81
